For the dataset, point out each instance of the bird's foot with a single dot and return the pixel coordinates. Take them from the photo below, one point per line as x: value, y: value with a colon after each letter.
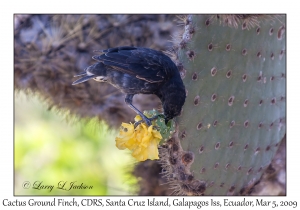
x: 144, y: 119
x: 136, y: 124
x: 147, y: 120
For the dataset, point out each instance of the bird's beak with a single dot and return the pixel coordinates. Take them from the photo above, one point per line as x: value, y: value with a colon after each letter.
x: 83, y: 79
x: 81, y: 74
x: 166, y: 121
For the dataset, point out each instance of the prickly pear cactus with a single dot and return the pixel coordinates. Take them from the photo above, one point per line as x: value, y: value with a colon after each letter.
x: 233, y: 68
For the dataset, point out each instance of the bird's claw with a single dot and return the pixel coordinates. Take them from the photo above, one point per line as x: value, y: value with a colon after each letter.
x: 144, y: 119
x: 136, y: 124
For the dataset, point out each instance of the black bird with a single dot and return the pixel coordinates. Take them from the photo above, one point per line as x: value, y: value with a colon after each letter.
x: 135, y: 70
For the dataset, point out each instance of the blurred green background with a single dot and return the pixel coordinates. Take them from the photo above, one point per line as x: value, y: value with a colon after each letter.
x: 48, y: 149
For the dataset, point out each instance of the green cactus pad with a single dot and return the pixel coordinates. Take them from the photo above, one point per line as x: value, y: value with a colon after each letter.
x: 234, y: 116
x: 166, y: 131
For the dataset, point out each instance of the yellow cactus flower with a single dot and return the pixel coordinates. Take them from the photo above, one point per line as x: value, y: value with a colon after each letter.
x: 142, y: 141
x: 126, y: 136
x: 137, y: 118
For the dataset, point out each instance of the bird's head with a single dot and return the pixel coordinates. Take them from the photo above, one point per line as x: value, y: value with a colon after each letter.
x: 96, y: 72
x: 173, y: 102
x: 169, y: 115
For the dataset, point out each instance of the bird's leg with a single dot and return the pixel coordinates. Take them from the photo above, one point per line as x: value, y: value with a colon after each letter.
x: 128, y: 101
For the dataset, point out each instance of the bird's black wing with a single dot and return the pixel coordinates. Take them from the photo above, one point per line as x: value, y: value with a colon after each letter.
x: 143, y: 63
